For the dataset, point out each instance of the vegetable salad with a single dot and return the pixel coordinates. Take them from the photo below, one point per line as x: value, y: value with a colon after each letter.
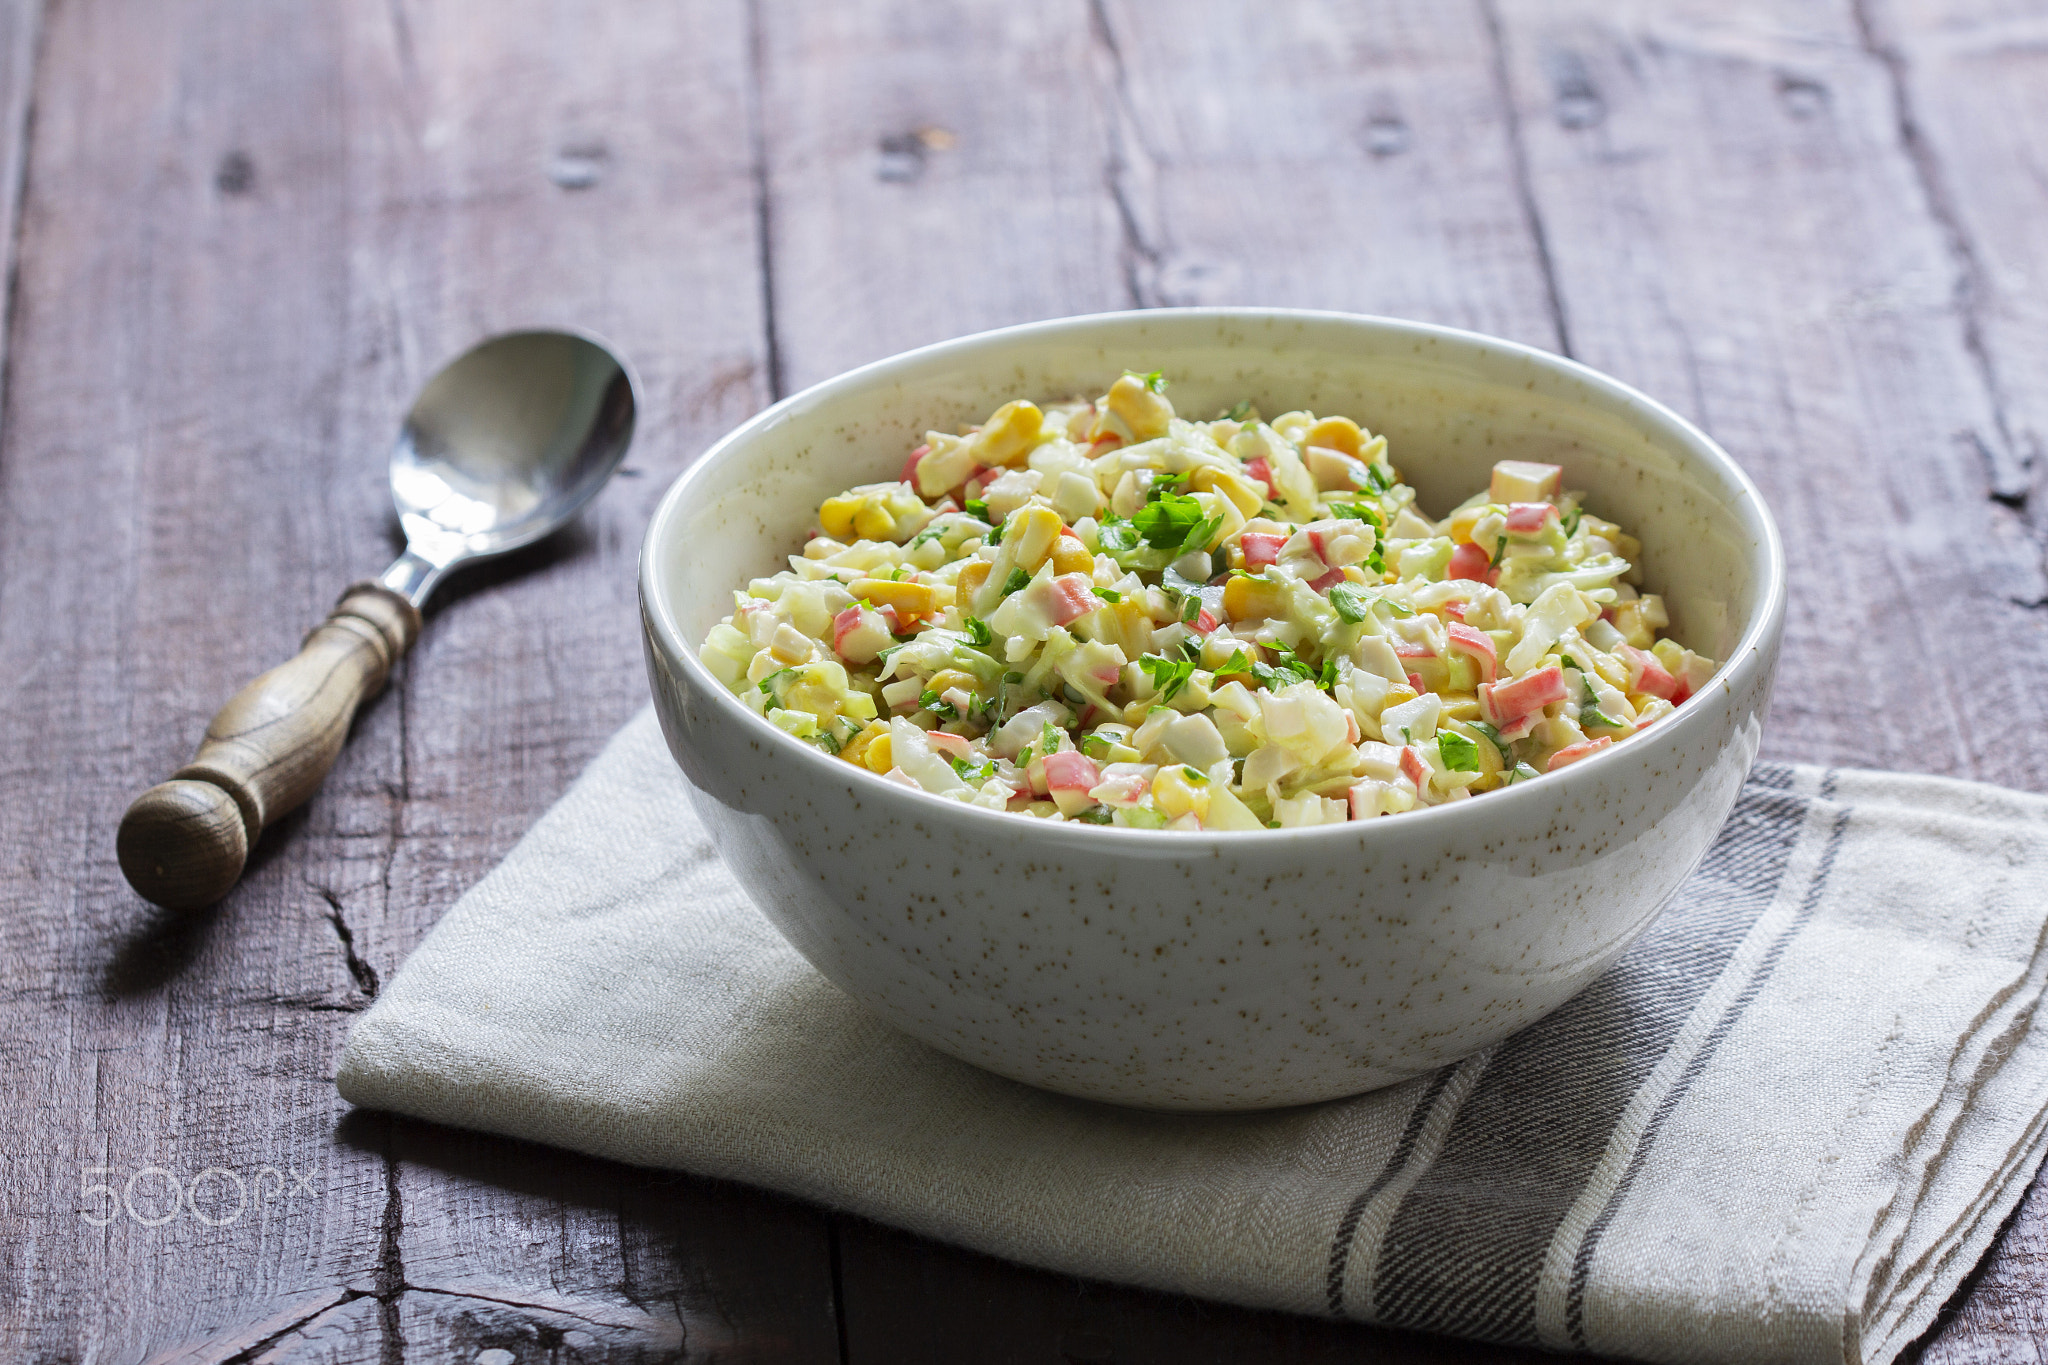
x: 1101, y: 611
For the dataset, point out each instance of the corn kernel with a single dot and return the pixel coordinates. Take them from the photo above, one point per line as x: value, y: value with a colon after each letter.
x: 1639, y: 620
x: 876, y: 511
x: 971, y: 578
x: 836, y: 515
x: 856, y: 750
x: 1253, y: 599
x: 1143, y: 411
x: 1031, y: 535
x: 1337, y: 433
x: 1463, y: 521
x: 1010, y: 433
x: 873, y: 523
x: 947, y: 678
x: 1242, y: 496
x: 909, y: 599
x: 1071, y: 556
x: 1176, y: 794
x: 1127, y: 626
x: 880, y: 756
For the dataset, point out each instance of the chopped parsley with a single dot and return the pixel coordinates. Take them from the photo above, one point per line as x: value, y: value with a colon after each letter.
x: 1109, y: 595
x: 1002, y: 702
x: 975, y: 773
x: 931, y: 702
x: 1094, y: 815
x: 1016, y: 582
x: 1521, y: 772
x: 1170, y: 521
x: 1358, y: 511
x: 1378, y: 479
x: 1169, y: 676
x: 1460, y: 754
x: 1237, y: 411
x: 995, y: 533
x: 1571, y: 522
x: 1155, y: 381
x: 1507, y: 754
x: 1095, y: 746
x: 768, y: 683
x: 1590, y: 714
x: 1292, y: 668
x: 978, y: 507
x: 1194, y: 774
x: 1116, y: 535
x: 1351, y: 604
x: 1236, y: 663
x: 826, y: 741
x: 1500, y: 547
x: 978, y: 633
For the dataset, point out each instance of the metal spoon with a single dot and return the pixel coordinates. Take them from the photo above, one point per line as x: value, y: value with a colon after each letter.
x: 502, y: 447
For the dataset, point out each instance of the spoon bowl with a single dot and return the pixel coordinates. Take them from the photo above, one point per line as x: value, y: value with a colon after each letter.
x: 503, y: 445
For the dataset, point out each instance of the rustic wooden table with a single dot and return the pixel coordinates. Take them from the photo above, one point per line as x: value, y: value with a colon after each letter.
x: 240, y: 234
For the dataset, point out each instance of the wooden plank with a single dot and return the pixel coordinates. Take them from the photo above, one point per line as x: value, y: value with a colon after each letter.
x: 250, y: 234
x: 915, y: 1302
x: 675, y: 1266
x: 604, y: 182
x: 931, y: 170
x: 1736, y: 227
x: 1970, y: 96
x: 1321, y: 155
x: 166, y: 486
x: 1746, y: 216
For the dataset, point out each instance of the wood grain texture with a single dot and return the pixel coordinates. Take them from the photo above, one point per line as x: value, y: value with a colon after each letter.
x: 914, y: 1302
x: 1748, y: 216
x: 929, y: 170
x: 1970, y: 97
x: 1736, y: 226
x: 251, y: 233
x: 247, y: 233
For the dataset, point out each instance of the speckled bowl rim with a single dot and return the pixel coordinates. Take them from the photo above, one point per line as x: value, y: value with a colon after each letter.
x: 1767, y: 561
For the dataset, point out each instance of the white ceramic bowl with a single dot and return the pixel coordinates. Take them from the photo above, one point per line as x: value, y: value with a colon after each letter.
x: 1218, y: 971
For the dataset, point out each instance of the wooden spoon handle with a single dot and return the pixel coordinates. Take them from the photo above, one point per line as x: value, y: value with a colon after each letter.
x: 182, y: 844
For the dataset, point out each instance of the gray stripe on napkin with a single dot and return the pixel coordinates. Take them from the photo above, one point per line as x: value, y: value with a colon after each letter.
x: 1582, y: 1260
x: 1466, y: 1248
x: 1404, y: 1151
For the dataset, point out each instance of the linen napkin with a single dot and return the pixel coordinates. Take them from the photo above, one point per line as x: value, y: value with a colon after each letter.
x: 1784, y: 1126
